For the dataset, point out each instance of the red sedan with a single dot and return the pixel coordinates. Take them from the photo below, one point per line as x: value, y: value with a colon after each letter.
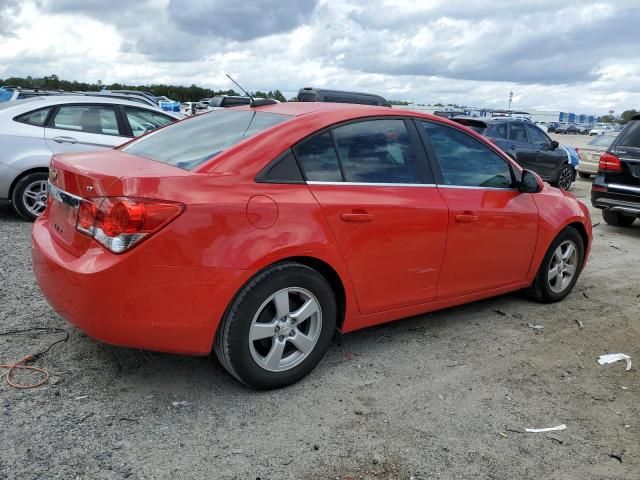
x: 257, y: 231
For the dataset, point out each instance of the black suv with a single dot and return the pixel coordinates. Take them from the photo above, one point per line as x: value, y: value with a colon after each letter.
x: 528, y: 145
x: 616, y: 188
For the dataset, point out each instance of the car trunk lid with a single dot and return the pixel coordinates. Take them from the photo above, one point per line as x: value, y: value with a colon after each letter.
x: 75, y: 177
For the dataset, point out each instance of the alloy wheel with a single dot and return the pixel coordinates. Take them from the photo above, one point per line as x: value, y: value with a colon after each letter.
x: 34, y: 197
x: 285, y: 329
x: 566, y: 177
x: 563, y: 266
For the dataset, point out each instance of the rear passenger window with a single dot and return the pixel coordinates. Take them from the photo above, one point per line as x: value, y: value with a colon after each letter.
x: 498, y: 130
x: 87, y: 119
x: 630, y: 136
x: 465, y: 161
x: 377, y: 151
x: 35, y: 118
x: 318, y: 159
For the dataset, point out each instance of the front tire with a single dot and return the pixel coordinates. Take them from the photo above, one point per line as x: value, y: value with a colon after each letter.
x: 29, y: 195
x: 617, y: 219
x: 560, y: 268
x: 565, y: 177
x: 278, y: 327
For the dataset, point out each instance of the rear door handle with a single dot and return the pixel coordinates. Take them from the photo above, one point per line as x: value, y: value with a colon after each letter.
x: 65, y: 140
x: 466, y: 218
x: 357, y: 217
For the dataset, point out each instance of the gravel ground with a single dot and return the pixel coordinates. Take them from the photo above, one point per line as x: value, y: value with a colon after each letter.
x: 444, y: 395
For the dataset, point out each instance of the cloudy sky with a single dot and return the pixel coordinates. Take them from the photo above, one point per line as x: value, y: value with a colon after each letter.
x: 582, y: 55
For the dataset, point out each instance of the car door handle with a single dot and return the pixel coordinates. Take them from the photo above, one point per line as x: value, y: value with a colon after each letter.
x: 466, y: 217
x: 357, y: 217
x: 65, y: 140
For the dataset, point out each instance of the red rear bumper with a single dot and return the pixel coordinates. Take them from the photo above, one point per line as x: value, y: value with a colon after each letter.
x: 121, y: 300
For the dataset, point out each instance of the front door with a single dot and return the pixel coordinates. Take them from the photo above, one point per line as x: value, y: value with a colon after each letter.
x: 543, y: 158
x: 386, y: 215
x: 492, y: 226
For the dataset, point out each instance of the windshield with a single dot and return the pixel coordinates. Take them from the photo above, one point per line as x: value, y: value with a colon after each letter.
x: 192, y: 142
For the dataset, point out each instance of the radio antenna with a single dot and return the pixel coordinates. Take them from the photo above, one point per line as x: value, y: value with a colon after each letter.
x: 245, y: 92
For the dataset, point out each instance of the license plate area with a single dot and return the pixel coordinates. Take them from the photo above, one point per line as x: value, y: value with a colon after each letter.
x: 63, y: 213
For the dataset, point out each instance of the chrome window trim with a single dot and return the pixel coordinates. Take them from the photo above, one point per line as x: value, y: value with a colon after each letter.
x: 624, y: 187
x: 367, y: 184
x: 431, y: 185
x: 63, y: 197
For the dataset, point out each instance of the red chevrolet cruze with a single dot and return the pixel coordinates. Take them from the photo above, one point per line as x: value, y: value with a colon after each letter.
x: 257, y: 231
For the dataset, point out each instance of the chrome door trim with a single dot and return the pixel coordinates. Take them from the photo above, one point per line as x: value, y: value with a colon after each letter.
x: 367, y: 184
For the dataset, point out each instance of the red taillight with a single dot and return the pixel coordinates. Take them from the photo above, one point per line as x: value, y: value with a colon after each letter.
x: 119, y: 223
x: 609, y: 163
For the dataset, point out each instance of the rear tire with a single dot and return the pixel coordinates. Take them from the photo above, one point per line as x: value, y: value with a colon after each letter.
x: 617, y: 219
x: 263, y: 340
x: 560, y: 268
x: 584, y: 175
x: 566, y: 175
x: 29, y: 195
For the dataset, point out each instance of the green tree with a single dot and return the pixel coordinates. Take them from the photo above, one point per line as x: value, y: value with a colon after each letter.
x: 627, y: 114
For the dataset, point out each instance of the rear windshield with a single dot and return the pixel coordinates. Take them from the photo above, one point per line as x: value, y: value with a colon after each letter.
x: 192, y: 142
x: 603, y: 140
x: 630, y: 136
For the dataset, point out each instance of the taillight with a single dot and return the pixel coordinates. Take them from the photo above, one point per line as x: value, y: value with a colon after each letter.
x: 578, y: 152
x: 609, y: 163
x: 119, y: 223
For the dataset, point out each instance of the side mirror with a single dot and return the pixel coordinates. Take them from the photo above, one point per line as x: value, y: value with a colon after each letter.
x: 530, y: 182
x: 554, y: 144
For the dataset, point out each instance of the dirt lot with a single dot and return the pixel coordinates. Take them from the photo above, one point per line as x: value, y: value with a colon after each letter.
x: 445, y: 395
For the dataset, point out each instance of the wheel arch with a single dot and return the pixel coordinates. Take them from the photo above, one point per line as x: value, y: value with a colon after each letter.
x: 579, y: 226
x: 24, y: 174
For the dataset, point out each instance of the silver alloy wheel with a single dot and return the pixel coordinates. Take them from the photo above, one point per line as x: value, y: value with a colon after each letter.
x: 563, y: 266
x: 34, y: 197
x: 285, y: 329
x: 566, y: 177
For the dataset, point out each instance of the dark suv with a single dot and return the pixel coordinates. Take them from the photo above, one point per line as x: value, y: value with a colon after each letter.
x: 528, y: 145
x: 616, y: 188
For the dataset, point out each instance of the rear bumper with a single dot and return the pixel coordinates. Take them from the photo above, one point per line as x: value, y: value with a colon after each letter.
x: 588, y: 167
x: 621, y: 201
x: 120, y: 300
x: 7, y: 176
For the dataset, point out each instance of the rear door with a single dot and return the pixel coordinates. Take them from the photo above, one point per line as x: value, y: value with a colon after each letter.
x: 82, y: 127
x: 493, y: 227
x: 388, y: 219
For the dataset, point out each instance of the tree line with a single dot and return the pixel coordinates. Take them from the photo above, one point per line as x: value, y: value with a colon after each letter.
x: 179, y: 93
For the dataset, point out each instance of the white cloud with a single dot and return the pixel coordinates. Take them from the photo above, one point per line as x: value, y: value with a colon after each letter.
x: 574, y: 55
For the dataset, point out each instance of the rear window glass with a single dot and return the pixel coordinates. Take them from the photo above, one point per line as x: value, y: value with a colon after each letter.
x: 192, y: 142
x: 630, y: 136
x: 603, y: 140
x: 35, y: 118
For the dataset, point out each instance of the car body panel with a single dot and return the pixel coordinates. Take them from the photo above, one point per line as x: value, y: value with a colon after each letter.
x: 180, y: 281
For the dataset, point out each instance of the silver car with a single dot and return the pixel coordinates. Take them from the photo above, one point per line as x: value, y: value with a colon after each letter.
x: 32, y: 130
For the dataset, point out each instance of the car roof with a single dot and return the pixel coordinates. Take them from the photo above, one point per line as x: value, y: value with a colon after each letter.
x: 48, y: 100
x: 302, y: 108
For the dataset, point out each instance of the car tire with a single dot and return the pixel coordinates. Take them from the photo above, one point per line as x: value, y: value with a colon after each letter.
x: 584, y: 175
x: 566, y: 176
x: 617, y: 219
x: 545, y: 287
x: 29, y: 196
x: 256, y: 341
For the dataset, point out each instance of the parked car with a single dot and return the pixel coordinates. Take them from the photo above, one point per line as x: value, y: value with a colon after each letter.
x: 310, y: 94
x: 584, y: 128
x: 32, y: 130
x: 600, y: 129
x: 567, y: 128
x: 11, y: 94
x: 616, y: 188
x: 551, y: 127
x: 293, y: 220
x: 528, y: 145
x: 590, y: 156
x: 226, y: 101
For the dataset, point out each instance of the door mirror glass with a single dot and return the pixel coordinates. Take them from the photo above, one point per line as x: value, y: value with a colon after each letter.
x: 554, y: 144
x: 530, y: 182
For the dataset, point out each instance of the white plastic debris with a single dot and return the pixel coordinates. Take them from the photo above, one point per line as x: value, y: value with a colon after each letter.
x: 183, y: 403
x: 535, y: 327
x: 615, y: 357
x: 548, y: 429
